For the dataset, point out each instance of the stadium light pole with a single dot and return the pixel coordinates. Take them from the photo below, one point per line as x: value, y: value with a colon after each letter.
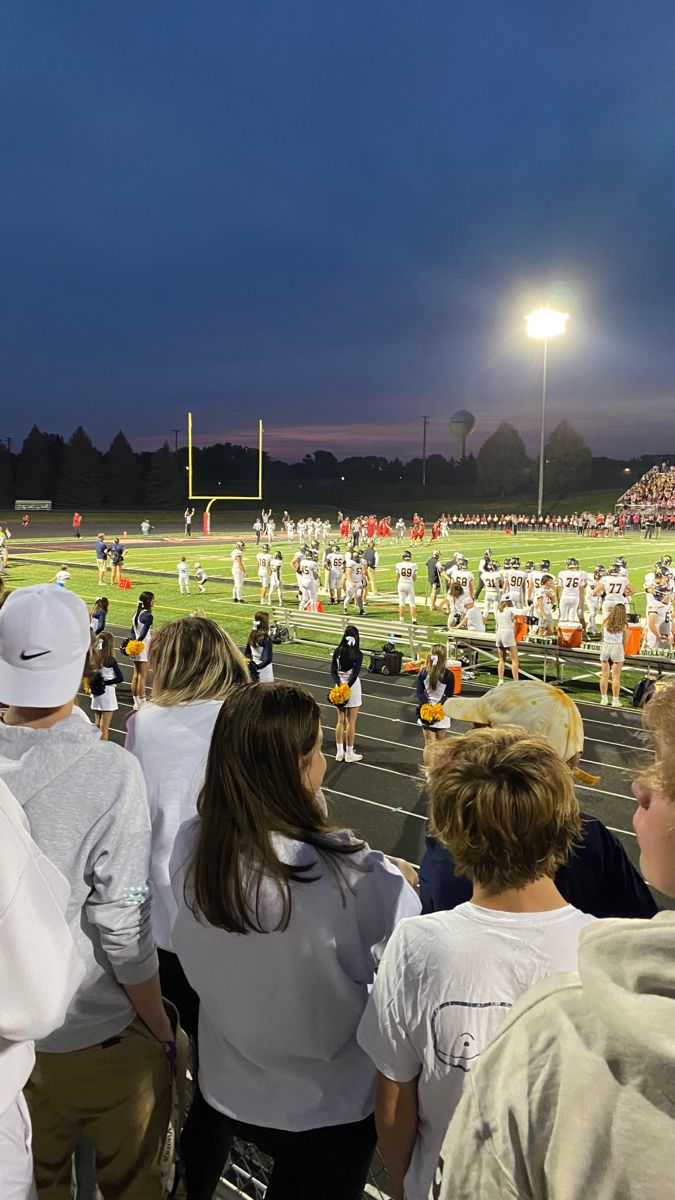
x: 544, y: 323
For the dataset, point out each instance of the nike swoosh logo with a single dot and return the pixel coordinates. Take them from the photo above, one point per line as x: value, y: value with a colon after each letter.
x: 39, y: 654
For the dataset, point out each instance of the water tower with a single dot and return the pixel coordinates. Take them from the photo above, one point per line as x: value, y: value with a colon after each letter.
x: 462, y: 423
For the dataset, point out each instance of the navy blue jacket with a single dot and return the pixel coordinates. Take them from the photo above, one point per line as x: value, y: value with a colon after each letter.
x: 599, y: 877
x: 356, y: 669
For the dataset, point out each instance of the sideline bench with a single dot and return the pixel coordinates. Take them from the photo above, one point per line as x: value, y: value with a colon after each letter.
x: 330, y: 626
x: 588, y: 654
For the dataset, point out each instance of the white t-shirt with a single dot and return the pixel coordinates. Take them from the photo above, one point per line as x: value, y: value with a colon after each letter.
x: 504, y: 623
x: 474, y: 620
x: 172, y: 745
x: 182, y: 569
x: 279, y: 1011
x: 445, y: 984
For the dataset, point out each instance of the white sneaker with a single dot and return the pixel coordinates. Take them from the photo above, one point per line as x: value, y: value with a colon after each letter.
x: 339, y: 754
x: 604, y: 700
x: 352, y: 756
x: 500, y: 683
x: 616, y: 702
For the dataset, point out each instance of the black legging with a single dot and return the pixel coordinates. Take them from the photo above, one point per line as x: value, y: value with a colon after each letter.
x: 331, y: 1162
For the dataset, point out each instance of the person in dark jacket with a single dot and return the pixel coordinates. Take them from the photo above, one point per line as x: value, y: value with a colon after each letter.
x: 345, y: 667
x: 598, y: 878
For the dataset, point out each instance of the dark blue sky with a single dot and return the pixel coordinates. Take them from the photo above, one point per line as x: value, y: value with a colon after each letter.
x: 335, y: 214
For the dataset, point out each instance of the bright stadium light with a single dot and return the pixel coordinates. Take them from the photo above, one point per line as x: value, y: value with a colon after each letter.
x: 544, y: 323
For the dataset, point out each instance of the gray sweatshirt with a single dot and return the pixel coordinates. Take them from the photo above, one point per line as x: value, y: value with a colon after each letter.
x: 86, y: 805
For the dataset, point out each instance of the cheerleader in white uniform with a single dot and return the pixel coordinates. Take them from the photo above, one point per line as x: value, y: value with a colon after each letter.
x: 506, y: 639
x: 435, y: 685
x: 141, y: 631
x: 346, y: 667
x: 259, y: 648
x: 104, y: 676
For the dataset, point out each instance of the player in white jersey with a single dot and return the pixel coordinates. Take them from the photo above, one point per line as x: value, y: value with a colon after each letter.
x: 658, y: 630
x: 308, y: 572
x: 406, y: 574
x: 493, y: 582
x: 354, y: 581
x: 464, y: 577
x: 271, y: 526
x: 594, y: 599
x: 571, y: 592
x: 263, y: 558
x: 183, y: 577
x: 544, y: 600
x: 335, y: 564
x: 615, y: 588
x: 514, y: 582
x: 301, y: 529
x: 238, y: 573
x: 276, y: 584
x: 290, y: 530
x: 400, y: 529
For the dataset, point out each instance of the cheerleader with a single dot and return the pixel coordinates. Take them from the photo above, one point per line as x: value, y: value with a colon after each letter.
x: 104, y: 676
x: 345, y: 667
x: 98, y: 616
x: 435, y: 685
x: 141, y: 631
x: 612, y: 653
x: 259, y: 648
x: 275, y: 577
x: 506, y: 639
x: 201, y: 577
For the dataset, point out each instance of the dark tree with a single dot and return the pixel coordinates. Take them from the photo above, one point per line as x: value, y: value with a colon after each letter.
x: 122, y: 475
x: 81, y: 483
x: 35, y: 479
x: 502, y: 464
x: 568, y: 461
x: 164, y: 487
x: 6, y: 480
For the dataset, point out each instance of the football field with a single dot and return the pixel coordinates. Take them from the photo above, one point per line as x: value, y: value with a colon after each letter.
x: 380, y: 796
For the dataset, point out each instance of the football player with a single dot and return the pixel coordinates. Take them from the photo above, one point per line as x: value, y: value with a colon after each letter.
x: 238, y: 572
x: 571, y: 592
x: 406, y: 574
x: 263, y: 558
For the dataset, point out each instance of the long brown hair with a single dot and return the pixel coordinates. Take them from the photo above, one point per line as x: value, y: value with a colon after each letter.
x: 435, y: 669
x: 261, y: 628
x: 254, y: 789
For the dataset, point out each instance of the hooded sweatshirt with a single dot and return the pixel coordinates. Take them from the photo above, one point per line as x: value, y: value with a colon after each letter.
x: 87, y: 809
x: 575, y: 1098
x: 39, y: 965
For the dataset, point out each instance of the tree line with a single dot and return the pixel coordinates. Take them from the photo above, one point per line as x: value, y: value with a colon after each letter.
x: 74, y: 473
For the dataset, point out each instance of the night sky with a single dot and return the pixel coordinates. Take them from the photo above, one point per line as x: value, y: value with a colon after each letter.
x: 334, y: 215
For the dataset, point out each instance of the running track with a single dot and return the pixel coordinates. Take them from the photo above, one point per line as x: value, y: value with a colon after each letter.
x: 380, y: 797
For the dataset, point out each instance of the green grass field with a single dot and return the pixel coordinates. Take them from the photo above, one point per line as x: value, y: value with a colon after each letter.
x: 143, y: 561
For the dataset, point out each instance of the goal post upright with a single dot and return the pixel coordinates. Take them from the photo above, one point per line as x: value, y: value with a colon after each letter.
x: 192, y: 495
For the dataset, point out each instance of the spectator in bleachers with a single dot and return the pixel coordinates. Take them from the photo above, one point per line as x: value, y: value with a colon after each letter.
x: 40, y: 970
x: 282, y: 919
x: 574, y: 1098
x: 598, y: 877
x: 104, y: 1073
x: 195, y: 664
x: 504, y: 805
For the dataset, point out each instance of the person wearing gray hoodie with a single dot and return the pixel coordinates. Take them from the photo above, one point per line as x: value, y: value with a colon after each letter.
x: 104, y: 1073
x: 575, y: 1097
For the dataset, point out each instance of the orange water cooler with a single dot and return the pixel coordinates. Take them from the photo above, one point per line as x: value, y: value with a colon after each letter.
x: 632, y: 638
x: 570, y: 634
x: 455, y: 668
x: 520, y: 625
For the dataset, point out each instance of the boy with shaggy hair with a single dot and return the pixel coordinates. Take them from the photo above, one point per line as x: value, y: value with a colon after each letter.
x: 505, y: 807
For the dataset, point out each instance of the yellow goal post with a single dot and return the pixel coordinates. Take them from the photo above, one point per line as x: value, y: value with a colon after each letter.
x: 192, y: 495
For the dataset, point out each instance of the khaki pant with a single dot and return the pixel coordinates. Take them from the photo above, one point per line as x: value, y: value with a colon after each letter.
x: 118, y: 1095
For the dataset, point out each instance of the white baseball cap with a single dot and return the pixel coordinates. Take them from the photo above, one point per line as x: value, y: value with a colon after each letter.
x: 44, y: 639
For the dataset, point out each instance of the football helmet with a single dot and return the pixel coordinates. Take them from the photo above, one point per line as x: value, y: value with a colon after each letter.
x: 406, y: 556
x: 572, y: 563
x: 660, y: 594
x: 240, y: 545
x: 266, y: 548
x: 507, y: 563
x: 529, y: 565
x: 462, y: 562
x: 515, y: 562
x: 545, y: 564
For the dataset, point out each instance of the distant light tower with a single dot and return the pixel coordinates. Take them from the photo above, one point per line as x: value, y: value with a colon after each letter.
x: 544, y: 323
x: 462, y: 423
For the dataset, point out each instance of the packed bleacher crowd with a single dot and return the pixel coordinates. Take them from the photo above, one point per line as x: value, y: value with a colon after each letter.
x: 655, y: 488
x: 194, y: 885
